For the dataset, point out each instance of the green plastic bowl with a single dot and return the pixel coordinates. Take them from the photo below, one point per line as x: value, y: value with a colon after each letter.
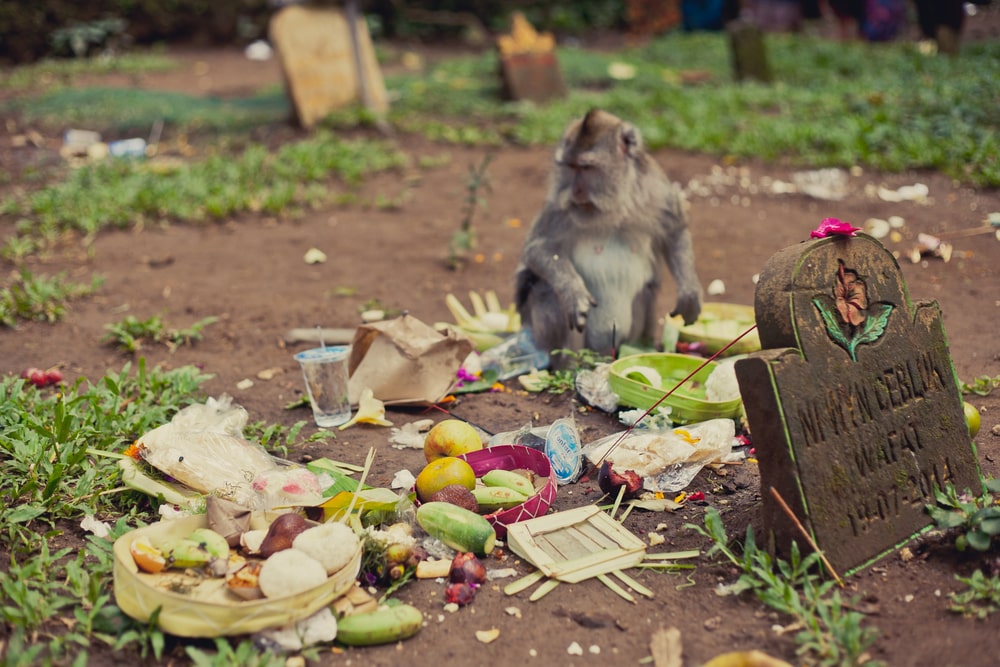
x: 717, y: 326
x: 688, y: 403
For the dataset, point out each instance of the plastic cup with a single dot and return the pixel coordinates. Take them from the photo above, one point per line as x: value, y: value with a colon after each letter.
x: 326, y: 376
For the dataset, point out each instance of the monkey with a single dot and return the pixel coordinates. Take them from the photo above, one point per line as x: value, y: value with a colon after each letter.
x: 589, y: 270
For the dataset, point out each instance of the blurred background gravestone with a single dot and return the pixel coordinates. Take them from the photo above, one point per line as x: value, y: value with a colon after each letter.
x: 853, y: 402
x: 324, y: 68
x: 529, y: 69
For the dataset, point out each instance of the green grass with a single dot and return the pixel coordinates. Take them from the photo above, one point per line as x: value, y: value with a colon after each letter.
x: 884, y: 106
x: 56, y: 72
x: 830, y: 633
x: 121, y: 193
x: 40, y: 298
x: 59, y: 450
x: 135, y: 110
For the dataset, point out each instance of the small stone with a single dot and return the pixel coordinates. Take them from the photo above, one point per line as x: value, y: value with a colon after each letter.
x: 574, y: 649
x: 314, y: 256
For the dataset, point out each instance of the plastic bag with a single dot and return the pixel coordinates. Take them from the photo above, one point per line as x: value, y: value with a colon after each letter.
x: 203, y: 448
x: 667, y: 459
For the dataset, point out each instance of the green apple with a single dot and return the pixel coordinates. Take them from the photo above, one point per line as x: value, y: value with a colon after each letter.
x: 971, y: 418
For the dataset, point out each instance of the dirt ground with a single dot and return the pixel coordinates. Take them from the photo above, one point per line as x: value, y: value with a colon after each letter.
x: 249, y: 271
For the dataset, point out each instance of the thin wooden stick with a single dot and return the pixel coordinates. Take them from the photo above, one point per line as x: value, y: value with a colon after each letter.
x: 805, y: 534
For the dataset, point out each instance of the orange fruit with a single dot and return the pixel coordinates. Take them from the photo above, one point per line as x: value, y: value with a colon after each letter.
x: 441, y: 472
x: 147, y: 557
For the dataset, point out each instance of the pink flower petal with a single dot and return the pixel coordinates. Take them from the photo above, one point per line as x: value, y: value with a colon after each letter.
x: 833, y: 226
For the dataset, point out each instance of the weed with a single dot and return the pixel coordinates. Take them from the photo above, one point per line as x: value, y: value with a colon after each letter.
x: 464, y: 240
x: 563, y: 380
x: 244, y: 655
x: 40, y: 298
x: 975, y: 520
x: 982, y: 385
x: 831, y: 634
x: 128, y: 334
x: 981, y: 597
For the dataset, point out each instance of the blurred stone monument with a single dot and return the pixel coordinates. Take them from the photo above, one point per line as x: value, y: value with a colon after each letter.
x: 852, y: 403
x: 528, y: 66
x: 325, y: 66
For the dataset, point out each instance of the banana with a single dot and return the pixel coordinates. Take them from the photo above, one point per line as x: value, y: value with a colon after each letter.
x: 385, y: 625
x: 510, y: 480
x: 493, y: 498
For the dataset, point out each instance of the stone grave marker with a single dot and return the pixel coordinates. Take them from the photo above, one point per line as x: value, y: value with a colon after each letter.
x: 852, y: 403
x: 529, y: 69
x: 316, y: 52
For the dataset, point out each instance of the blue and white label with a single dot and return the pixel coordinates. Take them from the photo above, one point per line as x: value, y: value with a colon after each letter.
x: 562, y: 447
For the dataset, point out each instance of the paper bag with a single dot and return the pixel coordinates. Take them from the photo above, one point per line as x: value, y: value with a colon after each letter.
x: 405, y: 362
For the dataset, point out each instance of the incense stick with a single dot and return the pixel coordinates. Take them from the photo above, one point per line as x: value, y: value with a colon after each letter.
x: 805, y: 534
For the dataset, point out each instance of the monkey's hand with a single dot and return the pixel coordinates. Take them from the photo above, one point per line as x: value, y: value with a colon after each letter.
x: 688, y: 307
x: 576, y: 304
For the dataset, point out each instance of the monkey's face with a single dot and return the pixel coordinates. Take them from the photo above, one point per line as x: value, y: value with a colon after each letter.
x: 594, y: 163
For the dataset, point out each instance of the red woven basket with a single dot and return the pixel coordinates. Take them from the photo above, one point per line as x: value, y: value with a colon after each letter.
x: 513, y: 457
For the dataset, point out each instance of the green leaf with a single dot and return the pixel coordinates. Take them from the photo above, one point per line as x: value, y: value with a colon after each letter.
x: 873, y: 327
x: 978, y: 540
x: 990, y: 526
x: 832, y: 325
x: 992, y: 485
x: 484, y: 383
x: 25, y: 513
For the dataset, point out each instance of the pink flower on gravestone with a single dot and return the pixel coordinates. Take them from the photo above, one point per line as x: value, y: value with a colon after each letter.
x: 833, y: 226
x: 850, y: 296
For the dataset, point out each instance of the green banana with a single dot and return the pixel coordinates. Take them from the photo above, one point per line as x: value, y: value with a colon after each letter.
x: 382, y: 626
x: 510, y: 480
x: 493, y: 498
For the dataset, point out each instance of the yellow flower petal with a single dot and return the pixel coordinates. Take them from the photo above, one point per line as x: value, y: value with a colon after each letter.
x: 370, y: 411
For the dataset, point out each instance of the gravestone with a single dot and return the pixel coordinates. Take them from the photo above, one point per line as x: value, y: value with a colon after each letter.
x: 529, y: 69
x: 852, y: 403
x: 316, y: 52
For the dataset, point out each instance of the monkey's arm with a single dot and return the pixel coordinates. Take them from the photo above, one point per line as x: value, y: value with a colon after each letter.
x: 547, y: 258
x: 679, y: 254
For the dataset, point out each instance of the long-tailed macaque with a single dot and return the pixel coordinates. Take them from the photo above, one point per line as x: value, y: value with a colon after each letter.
x: 590, y: 269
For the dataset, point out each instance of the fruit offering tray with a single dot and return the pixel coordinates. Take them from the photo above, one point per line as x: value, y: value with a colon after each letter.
x: 188, y: 603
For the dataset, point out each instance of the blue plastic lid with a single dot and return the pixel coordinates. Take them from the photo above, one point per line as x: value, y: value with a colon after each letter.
x: 562, y: 446
x: 328, y: 353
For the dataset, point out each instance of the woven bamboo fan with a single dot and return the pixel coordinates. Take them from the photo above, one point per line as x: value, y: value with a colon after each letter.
x: 575, y: 545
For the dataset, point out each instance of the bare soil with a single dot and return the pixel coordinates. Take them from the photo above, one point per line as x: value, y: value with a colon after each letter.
x: 249, y: 271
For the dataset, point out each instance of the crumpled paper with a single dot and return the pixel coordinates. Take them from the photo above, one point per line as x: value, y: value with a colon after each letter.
x: 404, y: 361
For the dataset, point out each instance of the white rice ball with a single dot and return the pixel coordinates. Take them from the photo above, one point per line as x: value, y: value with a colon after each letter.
x: 289, y: 572
x: 332, y: 544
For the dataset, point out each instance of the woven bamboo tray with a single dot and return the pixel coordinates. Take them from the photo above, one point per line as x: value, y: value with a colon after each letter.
x: 191, y: 606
